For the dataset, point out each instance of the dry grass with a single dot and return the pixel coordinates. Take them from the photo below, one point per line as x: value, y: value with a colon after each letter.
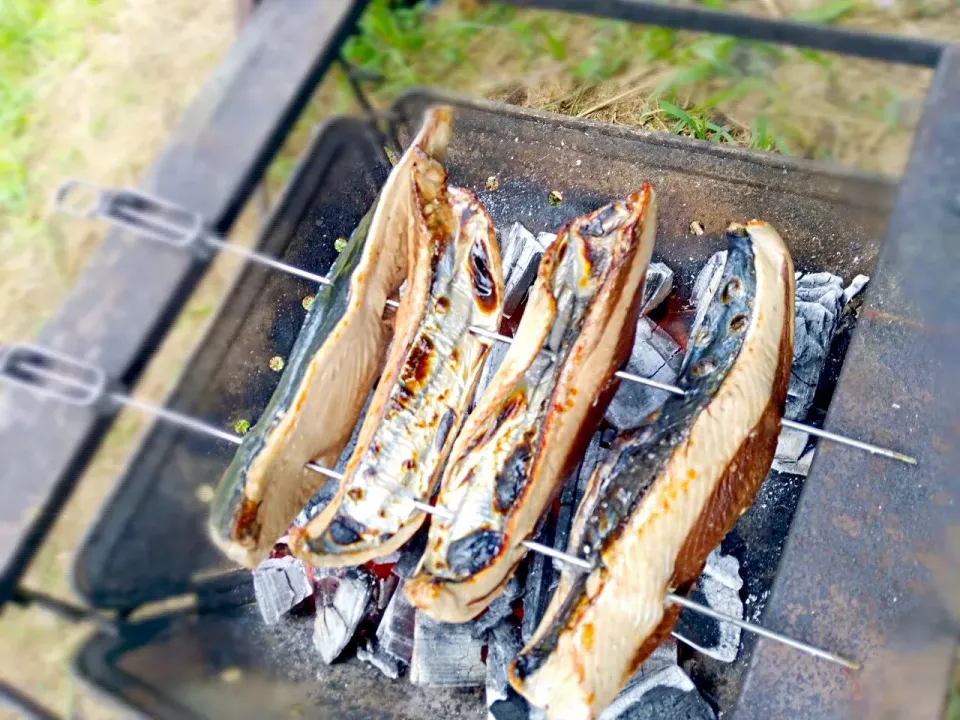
x: 106, y: 116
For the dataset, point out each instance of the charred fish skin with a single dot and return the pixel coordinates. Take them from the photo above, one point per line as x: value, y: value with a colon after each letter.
x: 534, y: 420
x: 428, y: 384
x: 328, y: 375
x: 670, y: 490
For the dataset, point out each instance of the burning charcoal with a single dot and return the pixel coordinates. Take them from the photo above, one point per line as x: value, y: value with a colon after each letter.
x: 654, y: 355
x: 819, y: 302
x: 719, y: 588
x: 536, y: 591
x: 446, y: 655
x: 656, y: 287
x: 395, y: 632
x: 382, y: 661
x: 499, y: 609
x: 664, y: 695
x: 503, y: 644
x: 280, y: 584
x: 591, y: 458
x: 520, y: 256
x: 341, y: 598
x: 494, y: 357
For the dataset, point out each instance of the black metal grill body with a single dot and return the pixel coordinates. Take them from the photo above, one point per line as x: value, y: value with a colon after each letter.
x: 867, y: 566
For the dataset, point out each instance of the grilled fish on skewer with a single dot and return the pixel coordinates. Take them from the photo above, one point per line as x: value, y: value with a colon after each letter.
x: 432, y: 369
x: 329, y: 373
x: 534, y: 420
x: 671, y: 489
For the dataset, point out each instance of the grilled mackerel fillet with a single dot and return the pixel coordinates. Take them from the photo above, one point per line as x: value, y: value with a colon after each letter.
x: 671, y: 489
x: 330, y: 371
x: 430, y: 375
x: 532, y: 423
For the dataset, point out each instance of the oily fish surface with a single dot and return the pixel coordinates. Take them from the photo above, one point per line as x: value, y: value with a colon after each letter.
x: 690, y: 473
x: 329, y: 373
x: 540, y: 408
x: 430, y: 376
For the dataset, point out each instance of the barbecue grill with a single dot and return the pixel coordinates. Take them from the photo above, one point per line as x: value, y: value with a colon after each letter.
x: 863, y: 567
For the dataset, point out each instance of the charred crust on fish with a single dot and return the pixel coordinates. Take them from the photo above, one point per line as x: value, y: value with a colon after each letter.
x: 537, y: 415
x: 672, y: 488
x: 454, y: 283
x: 329, y: 373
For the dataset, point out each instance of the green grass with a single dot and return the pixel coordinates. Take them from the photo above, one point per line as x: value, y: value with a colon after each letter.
x: 407, y: 47
x: 38, y: 38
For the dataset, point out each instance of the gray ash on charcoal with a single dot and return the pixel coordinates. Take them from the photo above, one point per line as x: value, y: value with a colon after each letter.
x: 372, y: 654
x: 718, y: 588
x: 520, y: 253
x: 280, y: 584
x: 446, y: 655
x: 341, y: 598
x: 397, y: 626
x: 654, y: 355
x: 667, y: 694
x: 503, y: 644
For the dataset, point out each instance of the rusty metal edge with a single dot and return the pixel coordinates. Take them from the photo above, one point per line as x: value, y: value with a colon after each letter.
x: 870, y: 567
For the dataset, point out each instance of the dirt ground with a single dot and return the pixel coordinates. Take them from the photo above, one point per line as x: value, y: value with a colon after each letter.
x: 106, y: 117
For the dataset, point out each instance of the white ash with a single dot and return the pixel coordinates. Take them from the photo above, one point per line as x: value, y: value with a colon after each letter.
x: 855, y: 287
x: 719, y: 588
x: 397, y: 626
x: 341, y: 598
x: 655, y: 355
x: 667, y: 694
x: 498, y: 610
x: 446, y: 655
x: 724, y: 568
x: 280, y: 584
x: 381, y: 660
x: 503, y: 644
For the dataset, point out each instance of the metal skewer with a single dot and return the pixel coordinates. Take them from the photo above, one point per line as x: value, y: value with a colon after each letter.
x: 18, y: 366
x: 155, y: 219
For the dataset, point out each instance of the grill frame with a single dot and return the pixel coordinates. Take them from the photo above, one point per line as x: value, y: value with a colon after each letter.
x: 252, y: 102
